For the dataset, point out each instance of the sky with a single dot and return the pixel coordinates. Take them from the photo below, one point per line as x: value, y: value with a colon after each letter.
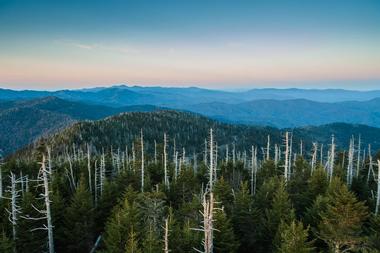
x: 206, y: 43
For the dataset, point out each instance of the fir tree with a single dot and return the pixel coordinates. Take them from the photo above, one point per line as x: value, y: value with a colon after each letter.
x: 341, y: 223
x: 224, y: 237
x: 293, y: 238
x: 79, y: 220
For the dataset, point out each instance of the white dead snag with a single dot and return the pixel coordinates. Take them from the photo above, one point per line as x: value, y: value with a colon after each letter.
x: 43, y: 179
x: 314, y: 157
x: 15, y: 211
x: 49, y: 160
x: 268, y: 148
x: 321, y: 155
x: 290, y: 156
x: 205, y: 153
x: 89, y: 168
x: 253, y: 170
x: 142, y: 160
x: 174, y: 149
x: 166, y: 179
x: 211, y: 166
x: 176, y: 166
x: 332, y: 158
x: 358, y: 160
x: 233, y: 154
x: 301, y: 148
x: 378, y: 188
x: 370, y: 165
x: 207, y: 227
x: 195, y: 165
x: 133, y: 156
x: 102, y: 173
x: 286, y: 165
x: 166, y: 236
x: 350, y: 164
x: 96, y: 183
x: 276, y: 158
x: 46, y: 195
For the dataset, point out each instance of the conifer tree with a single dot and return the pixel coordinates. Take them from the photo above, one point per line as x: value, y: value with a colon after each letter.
x: 79, y: 220
x: 224, y: 237
x: 341, y: 223
x: 132, y: 245
x: 293, y: 238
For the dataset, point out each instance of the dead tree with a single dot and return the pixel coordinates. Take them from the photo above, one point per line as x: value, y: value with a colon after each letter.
x: 253, y: 170
x: 211, y: 166
x: 286, y: 165
x: 358, y: 160
x: 166, y: 179
x: 370, y: 165
x: 166, y: 236
x: 13, y: 214
x: 142, y: 160
x: 350, y: 165
x: 89, y: 168
x: 207, y: 226
x: 314, y: 157
x: 43, y: 181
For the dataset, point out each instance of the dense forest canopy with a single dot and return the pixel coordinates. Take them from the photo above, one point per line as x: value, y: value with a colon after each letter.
x: 177, y: 182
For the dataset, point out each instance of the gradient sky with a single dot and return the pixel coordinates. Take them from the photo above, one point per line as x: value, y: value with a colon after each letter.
x: 208, y: 43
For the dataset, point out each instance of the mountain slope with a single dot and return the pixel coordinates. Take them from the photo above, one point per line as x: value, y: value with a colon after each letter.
x: 23, y: 121
x: 191, y: 130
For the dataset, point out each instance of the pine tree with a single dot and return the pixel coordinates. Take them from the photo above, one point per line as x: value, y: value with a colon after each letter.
x: 121, y: 222
x: 293, y: 238
x: 132, y: 245
x: 224, y: 237
x: 79, y: 220
x: 341, y: 223
x: 244, y: 219
x: 223, y: 195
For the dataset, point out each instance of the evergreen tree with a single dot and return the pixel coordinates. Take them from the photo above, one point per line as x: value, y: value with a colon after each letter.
x: 224, y: 237
x: 120, y: 224
x: 341, y: 223
x: 79, y: 220
x: 132, y: 245
x: 293, y: 238
x: 244, y: 219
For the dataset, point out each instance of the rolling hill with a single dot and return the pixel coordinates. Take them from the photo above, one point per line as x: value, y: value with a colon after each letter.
x: 23, y: 121
x: 191, y: 130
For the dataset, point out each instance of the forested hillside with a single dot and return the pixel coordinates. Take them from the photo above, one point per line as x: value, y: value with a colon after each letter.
x: 23, y: 121
x: 178, y: 182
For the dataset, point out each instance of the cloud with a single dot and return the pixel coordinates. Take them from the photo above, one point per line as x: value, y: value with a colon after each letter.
x: 124, y: 49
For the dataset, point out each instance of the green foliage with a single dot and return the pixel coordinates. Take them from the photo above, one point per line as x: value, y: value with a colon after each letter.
x: 341, y: 223
x: 79, y: 220
x: 293, y: 238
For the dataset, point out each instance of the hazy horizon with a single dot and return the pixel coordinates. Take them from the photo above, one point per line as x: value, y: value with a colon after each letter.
x: 212, y: 44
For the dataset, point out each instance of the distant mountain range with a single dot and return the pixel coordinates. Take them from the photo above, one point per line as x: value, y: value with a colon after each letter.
x: 161, y: 96
x: 27, y: 115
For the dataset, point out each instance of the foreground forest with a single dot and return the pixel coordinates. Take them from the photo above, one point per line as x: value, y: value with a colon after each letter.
x: 137, y: 183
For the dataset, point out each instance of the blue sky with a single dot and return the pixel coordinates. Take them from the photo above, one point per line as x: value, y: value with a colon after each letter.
x: 215, y: 44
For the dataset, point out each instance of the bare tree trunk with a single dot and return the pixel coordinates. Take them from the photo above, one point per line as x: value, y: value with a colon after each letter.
x: 268, y: 147
x: 89, y: 168
x: 166, y: 236
x: 211, y: 167
x: 47, y: 205
x: 166, y: 180
x: 286, y: 165
x: 142, y: 161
